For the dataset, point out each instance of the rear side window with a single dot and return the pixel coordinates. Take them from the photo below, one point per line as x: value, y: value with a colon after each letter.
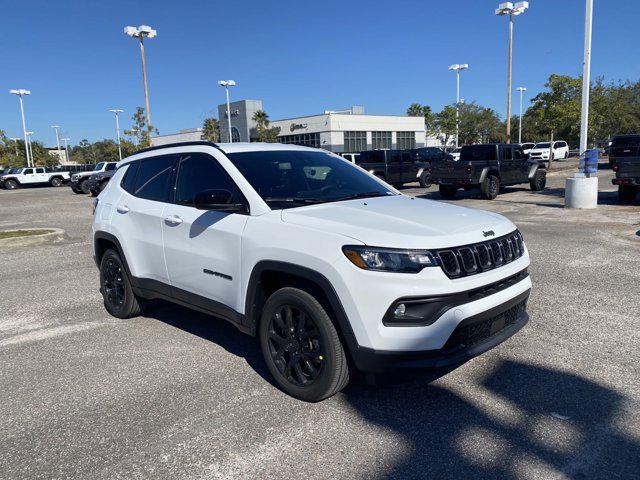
x: 198, y: 172
x: 477, y: 153
x: 28, y: 171
x: 506, y: 152
x: 153, y: 179
x: 630, y: 141
x: 129, y: 179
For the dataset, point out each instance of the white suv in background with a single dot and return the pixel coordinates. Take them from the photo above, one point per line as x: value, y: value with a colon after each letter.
x: 331, y: 268
x: 541, y: 151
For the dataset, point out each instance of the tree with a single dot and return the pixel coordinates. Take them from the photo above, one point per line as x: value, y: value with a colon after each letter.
x: 211, y: 129
x: 415, y: 110
x: 265, y: 133
x: 140, y: 131
x: 480, y: 124
x: 445, y: 123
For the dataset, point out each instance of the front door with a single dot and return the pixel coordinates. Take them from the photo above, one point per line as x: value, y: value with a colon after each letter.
x: 521, y: 165
x: 508, y: 167
x: 202, y: 247
x: 28, y: 176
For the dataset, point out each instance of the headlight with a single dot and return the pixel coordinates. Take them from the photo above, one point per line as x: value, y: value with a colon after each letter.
x: 388, y: 259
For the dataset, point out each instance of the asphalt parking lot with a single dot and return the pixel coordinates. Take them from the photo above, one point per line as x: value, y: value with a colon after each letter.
x: 177, y: 394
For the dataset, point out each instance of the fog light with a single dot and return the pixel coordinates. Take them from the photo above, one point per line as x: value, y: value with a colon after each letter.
x: 400, y: 311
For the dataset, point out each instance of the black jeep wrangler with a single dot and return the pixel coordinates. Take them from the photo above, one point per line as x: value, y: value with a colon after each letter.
x: 488, y: 167
x: 395, y: 167
x: 624, y: 157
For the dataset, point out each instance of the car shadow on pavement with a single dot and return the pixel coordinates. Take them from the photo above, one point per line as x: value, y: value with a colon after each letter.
x: 213, y: 329
x: 540, y: 422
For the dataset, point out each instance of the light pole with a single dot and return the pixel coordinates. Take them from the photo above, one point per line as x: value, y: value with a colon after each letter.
x: 508, y: 8
x: 56, y: 128
x: 586, y: 77
x: 20, y: 93
x: 139, y: 33
x: 521, y: 90
x: 226, y: 84
x: 30, y: 147
x: 117, y: 111
x: 457, y: 68
x: 66, y: 148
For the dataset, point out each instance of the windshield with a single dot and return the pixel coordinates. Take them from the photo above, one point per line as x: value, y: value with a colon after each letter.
x: 98, y: 166
x: 291, y: 178
x: 527, y: 145
x: 542, y: 145
x: 627, y: 141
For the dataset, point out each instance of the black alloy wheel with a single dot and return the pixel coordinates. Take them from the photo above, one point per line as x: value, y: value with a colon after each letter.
x: 84, y: 186
x: 490, y: 187
x: 56, y: 182
x: 295, y: 345
x: 113, y: 284
x: 11, y: 184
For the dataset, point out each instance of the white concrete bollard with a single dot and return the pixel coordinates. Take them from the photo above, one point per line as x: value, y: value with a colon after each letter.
x: 581, y: 192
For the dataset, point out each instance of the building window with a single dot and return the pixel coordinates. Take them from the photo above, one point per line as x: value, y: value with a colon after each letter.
x: 405, y: 140
x: 235, y: 134
x: 306, y: 139
x: 355, y: 141
x: 381, y: 140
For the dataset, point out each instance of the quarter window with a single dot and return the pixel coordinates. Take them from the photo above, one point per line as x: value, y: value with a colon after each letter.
x: 198, y: 172
x: 129, y: 179
x: 381, y: 140
x: 153, y: 178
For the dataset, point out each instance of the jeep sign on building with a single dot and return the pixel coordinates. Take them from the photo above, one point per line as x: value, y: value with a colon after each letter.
x: 243, y: 128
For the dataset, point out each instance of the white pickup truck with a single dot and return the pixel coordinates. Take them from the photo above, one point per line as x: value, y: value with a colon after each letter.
x: 33, y: 176
x: 80, y: 180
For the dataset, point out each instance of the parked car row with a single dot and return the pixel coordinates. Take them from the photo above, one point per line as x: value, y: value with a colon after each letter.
x: 81, y: 182
x: 19, y: 177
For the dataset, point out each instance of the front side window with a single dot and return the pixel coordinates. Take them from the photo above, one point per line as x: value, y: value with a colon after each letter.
x: 154, y: 175
x: 198, y: 172
x: 294, y: 178
x: 99, y: 166
x: 518, y: 154
x: 27, y: 171
x: 507, y: 153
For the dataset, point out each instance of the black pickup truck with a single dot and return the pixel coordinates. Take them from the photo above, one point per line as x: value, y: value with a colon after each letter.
x: 396, y: 167
x: 624, y: 157
x: 424, y: 157
x: 488, y: 167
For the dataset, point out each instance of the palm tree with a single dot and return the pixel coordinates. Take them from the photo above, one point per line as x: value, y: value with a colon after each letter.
x: 416, y: 110
x: 261, y: 118
x: 211, y: 129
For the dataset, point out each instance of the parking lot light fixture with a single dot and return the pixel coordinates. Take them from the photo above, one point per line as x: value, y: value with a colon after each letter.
x: 30, y: 148
x: 226, y: 84
x: 521, y: 90
x: 116, y: 112
x: 20, y: 93
x: 511, y: 9
x: 139, y: 33
x: 66, y: 148
x: 457, y: 68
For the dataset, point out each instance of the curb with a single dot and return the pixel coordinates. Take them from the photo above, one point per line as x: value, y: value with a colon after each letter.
x: 56, y: 235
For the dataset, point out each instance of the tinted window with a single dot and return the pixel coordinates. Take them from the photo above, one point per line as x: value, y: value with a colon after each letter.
x: 153, y: 178
x: 406, y: 157
x: 476, y: 153
x: 506, y: 152
x: 198, y: 172
x: 394, y: 157
x: 371, y: 157
x: 626, y: 141
x: 129, y: 179
x: 110, y: 166
x: 28, y: 170
x: 39, y: 170
x: 542, y: 145
x: 283, y: 178
x: 518, y: 154
x: 99, y: 166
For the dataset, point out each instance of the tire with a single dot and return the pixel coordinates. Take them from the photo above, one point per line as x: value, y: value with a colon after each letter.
x: 425, y: 180
x: 627, y: 194
x: 76, y: 191
x: 55, y: 182
x: 84, y: 186
x: 11, y: 184
x: 311, y: 365
x: 115, y: 286
x: 447, y: 192
x: 490, y: 187
x: 539, y: 180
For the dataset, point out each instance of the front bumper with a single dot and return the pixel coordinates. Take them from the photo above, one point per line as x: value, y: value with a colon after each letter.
x: 472, y: 337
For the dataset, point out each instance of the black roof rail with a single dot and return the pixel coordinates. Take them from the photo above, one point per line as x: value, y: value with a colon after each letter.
x: 180, y: 144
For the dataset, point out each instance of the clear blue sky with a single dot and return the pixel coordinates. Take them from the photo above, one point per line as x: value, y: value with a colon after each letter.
x: 298, y: 57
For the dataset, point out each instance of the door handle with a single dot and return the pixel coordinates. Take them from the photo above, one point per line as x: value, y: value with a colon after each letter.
x: 122, y: 209
x: 173, y: 220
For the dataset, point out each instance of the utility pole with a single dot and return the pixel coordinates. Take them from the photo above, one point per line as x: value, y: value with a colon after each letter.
x: 20, y: 93
x: 586, y: 77
x: 139, y: 33
x: 226, y: 84
x: 521, y: 90
x: 56, y: 128
x: 457, y: 67
x: 117, y: 111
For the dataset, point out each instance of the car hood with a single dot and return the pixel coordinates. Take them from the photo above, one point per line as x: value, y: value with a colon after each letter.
x: 402, y: 222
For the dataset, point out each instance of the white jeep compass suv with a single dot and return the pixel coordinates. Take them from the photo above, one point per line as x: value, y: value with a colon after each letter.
x: 331, y: 268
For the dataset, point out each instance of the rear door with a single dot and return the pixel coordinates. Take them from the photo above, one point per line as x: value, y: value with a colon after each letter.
x: 394, y: 166
x: 202, y: 247
x: 521, y: 165
x: 409, y: 169
x: 138, y: 216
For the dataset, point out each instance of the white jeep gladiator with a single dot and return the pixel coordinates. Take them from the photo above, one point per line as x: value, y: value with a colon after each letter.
x: 33, y: 176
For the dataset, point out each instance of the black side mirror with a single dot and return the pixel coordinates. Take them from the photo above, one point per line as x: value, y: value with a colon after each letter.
x: 220, y: 200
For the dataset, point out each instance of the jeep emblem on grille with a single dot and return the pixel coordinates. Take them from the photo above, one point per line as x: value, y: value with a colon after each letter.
x: 489, y: 233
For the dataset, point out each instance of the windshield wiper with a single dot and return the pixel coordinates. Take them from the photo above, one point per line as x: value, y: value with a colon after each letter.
x: 354, y: 196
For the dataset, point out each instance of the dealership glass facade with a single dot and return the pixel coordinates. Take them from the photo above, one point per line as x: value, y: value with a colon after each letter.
x: 405, y: 140
x: 355, y: 141
x: 380, y: 140
x: 306, y: 139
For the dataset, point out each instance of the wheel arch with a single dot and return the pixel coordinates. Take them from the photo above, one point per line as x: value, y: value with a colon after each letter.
x: 486, y: 171
x: 102, y: 241
x: 268, y: 276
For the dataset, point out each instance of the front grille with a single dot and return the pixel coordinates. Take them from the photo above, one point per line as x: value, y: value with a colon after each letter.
x: 481, y: 257
x: 468, y: 335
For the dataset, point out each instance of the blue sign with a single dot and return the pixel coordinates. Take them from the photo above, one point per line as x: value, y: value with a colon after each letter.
x: 589, y: 161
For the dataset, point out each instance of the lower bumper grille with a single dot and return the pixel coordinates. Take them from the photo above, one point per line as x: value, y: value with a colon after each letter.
x: 468, y: 335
